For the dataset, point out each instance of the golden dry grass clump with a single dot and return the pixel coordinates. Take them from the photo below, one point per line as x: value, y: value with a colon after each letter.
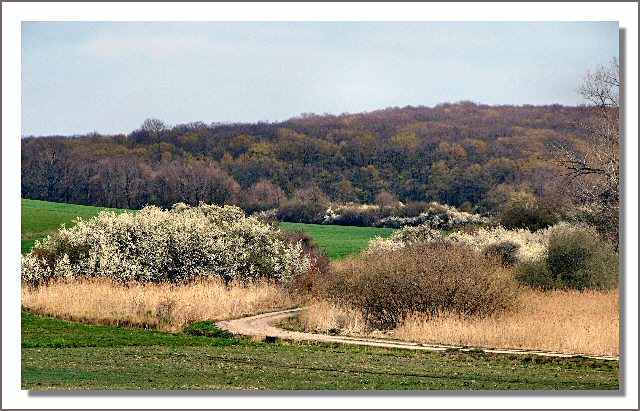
x: 565, y: 321
x: 163, y: 306
x: 562, y: 321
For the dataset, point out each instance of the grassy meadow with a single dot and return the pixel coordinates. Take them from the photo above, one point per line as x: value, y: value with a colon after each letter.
x: 42, y: 218
x: 340, y: 241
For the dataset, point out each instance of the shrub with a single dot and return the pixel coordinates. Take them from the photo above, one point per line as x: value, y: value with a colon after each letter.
x: 429, y: 278
x: 268, y: 216
x: 523, y: 210
x: 360, y: 215
x: 403, y: 238
x: 175, y: 245
x: 576, y: 259
x: 298, y: 211
x: 530, y: 246
x: 318, y: 260
x: 437, y: 216
x: 536, y: 274
x: 506, y: 251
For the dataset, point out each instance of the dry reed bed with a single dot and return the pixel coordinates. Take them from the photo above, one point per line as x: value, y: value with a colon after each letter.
x: 163, y: 307
x: 564, y: 321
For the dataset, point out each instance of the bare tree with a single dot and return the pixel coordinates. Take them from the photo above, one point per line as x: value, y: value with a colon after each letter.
x: 153, y: 125
x: 594, y: 167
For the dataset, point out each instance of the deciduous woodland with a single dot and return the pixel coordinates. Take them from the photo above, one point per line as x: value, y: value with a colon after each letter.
x: 466, y: 155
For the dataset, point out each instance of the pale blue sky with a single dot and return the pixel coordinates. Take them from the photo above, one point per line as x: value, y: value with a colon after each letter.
x: 110, y: 76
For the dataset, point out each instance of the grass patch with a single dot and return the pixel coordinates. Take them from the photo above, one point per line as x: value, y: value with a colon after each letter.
x: 42, y: 218
x: 45, y: 332
x: 340, y: 241
x: 207, y: 329
x: 62, y: 355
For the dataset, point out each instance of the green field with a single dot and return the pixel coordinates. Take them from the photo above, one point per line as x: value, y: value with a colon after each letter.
x: 40, y: 218
x: 62, y: 355
x: 340, y: 241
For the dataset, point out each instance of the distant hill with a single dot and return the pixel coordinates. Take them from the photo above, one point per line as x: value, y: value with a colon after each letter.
x: 462, y: 154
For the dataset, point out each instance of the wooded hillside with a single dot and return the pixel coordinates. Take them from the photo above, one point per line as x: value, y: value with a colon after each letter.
x: 464, y: 154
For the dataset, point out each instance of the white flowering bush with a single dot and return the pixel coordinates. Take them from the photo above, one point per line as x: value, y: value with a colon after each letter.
x: 528, y: 246
x: 437, y: 216
x: 179, y: 244
x: 330, y: 216
x: 402, y: 238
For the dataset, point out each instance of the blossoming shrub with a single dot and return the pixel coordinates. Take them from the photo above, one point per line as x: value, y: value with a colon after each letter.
x: 319, y: 263
x: 427, y: 278
x: 513, y: 246
x: 576, y: 259
x: 403, y: 238
x: 179, y: 244
x: 437, y: 216
x: 528, y: 246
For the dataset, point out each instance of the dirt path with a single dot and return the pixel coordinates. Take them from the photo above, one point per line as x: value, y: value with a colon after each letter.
x: 262, y: 326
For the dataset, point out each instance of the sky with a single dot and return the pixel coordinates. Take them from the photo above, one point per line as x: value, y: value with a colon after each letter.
x: 108, y: 77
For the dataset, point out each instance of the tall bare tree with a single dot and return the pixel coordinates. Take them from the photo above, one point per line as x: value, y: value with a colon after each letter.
x: 594, y: 165
x: 153, y: 125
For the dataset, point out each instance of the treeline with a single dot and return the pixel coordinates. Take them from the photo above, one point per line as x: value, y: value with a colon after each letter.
x: 467, y: 155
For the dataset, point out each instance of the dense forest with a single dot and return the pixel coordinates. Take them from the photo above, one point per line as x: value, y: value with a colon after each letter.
x: 464, y: 154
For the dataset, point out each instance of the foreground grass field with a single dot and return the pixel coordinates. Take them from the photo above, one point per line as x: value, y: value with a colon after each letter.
x: 41, y: 218
x: 61, y: 355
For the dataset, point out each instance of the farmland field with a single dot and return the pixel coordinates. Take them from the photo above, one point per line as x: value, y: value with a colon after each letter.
x: 40, y: 218
x: 62, y: 355
x: 340, y: 241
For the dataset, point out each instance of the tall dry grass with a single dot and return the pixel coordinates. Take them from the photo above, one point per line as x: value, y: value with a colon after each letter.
x: 166, y: 307
x: 323, y: 316
x: 563, y: 321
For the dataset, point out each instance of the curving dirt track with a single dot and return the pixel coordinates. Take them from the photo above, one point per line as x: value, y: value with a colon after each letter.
x: 262, y: 326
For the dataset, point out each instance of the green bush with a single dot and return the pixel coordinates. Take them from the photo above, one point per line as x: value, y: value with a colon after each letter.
x: 577, y: 258
x: 423, y: 278
x: 537, y: 274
